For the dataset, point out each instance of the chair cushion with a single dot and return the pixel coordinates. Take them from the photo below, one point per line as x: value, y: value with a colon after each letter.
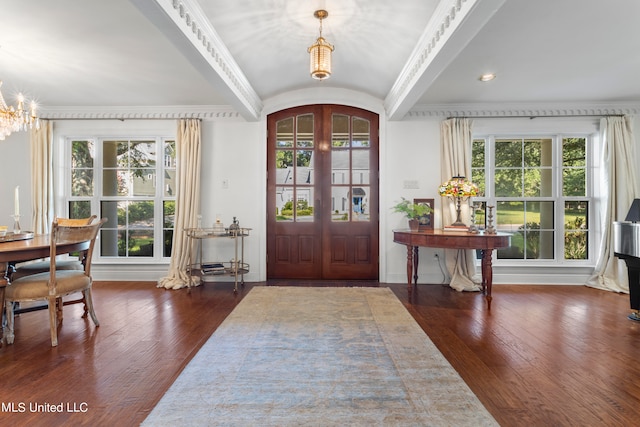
x: 36, y: 286
x: 42, y: 266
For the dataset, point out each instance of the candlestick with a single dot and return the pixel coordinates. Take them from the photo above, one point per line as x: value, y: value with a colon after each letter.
x: 16, y: 224
x: 490, y: 228
x: 16, y: 201
x: 473, y: 228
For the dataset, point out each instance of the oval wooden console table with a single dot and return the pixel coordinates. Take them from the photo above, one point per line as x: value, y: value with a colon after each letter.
x: 451, y: 240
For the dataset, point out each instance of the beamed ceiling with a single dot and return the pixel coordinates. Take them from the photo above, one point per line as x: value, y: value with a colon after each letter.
x: 415, y: 56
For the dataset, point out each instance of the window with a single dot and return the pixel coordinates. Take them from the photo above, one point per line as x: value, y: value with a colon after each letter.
x: 539, y: 187
x: 122, y: 180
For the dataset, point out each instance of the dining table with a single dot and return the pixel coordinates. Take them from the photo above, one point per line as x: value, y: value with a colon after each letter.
x: 28, y: 246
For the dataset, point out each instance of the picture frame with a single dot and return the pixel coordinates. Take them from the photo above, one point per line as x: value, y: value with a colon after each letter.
x: 425, y: 221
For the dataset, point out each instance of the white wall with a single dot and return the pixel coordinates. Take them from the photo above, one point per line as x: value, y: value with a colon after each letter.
x: 234, y: 151
x: 413, y: 155
x: 233, y: 183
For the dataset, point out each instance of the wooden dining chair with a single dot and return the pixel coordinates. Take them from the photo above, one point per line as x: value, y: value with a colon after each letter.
x: 36, y: 267
x: 54, y: 284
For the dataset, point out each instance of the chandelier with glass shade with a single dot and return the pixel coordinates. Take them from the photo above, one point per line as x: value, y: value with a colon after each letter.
x: 320, y: 52
x: 15, y: 119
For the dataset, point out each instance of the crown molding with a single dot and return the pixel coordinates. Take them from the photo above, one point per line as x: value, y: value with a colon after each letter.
x: 202, y: 112
x: 453, y: 24
x: 186, y: 25
x: 530, y: 110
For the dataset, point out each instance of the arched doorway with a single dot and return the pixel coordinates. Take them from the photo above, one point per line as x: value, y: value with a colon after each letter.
x: 322, y: 189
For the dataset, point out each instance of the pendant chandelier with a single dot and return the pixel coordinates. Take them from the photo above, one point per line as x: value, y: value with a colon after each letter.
x: 15, y: 119
x: 320, y: 52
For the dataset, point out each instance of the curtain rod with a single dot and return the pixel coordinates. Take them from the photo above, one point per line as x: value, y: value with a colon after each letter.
x: 536, y: 116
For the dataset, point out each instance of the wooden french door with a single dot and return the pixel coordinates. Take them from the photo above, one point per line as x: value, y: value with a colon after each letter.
x: 322, y: 189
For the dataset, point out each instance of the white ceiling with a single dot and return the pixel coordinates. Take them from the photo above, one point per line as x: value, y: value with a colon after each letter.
x: 135, y: 53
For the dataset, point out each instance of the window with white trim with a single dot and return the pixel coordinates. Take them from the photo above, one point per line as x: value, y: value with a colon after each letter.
x: 541, y: 193
x: 132, y: 183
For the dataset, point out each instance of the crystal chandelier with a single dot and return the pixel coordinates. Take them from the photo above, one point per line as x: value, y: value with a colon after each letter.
x: 16, y: 119
x: 320, y: 52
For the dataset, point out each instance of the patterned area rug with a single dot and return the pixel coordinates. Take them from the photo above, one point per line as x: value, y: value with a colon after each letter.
x: 291, y: 356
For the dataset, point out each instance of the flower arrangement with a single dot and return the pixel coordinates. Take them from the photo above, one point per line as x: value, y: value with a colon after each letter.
x: 458, y: 187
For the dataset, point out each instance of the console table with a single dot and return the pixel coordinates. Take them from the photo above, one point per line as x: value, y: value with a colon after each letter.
x: 452, y: 240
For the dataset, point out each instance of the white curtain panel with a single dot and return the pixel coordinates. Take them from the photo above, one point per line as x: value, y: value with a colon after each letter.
x: 188, y: 148
x: 456, y: 141
x: 619, y: 187
x: 41, y: 177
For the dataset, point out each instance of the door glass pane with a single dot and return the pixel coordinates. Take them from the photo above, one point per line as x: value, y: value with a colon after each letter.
x: 284, y: 203
x: 340, y: 166
x: 304, y: 167
x: 304, y: 136
x: 360, y: 167
x: 361, y: 133
x: 360, y: 204
x: 284, y: 133
x: 340, y: 203
x: 304, y: 204
x: 284, y: 167
x: 339, y: 130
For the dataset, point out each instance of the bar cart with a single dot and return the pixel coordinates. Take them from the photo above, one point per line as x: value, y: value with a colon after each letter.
x: 201, y: 270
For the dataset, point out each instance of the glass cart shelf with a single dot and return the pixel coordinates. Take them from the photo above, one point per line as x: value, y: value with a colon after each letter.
x: 202, y: 270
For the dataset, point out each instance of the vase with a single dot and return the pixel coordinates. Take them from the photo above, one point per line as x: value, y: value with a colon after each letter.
x: 414, y: 224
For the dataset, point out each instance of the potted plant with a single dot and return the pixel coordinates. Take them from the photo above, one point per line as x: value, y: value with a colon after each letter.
x: 413, y: 211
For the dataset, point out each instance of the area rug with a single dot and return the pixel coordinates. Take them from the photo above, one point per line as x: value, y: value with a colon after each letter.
x: 290, y: 356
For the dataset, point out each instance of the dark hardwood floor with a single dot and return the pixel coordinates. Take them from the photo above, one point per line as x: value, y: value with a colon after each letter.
x: 543, y: 355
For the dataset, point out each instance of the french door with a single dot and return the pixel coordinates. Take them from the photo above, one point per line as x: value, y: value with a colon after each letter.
x: 322, y: 189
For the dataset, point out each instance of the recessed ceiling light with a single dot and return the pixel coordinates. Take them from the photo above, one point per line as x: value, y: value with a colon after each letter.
x: 487, y: 77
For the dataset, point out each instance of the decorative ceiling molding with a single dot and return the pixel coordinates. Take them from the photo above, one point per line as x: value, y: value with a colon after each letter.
x: 203, y: 112
x: 531, y: 110
x: 191, y: 22
x: 454, y: 23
